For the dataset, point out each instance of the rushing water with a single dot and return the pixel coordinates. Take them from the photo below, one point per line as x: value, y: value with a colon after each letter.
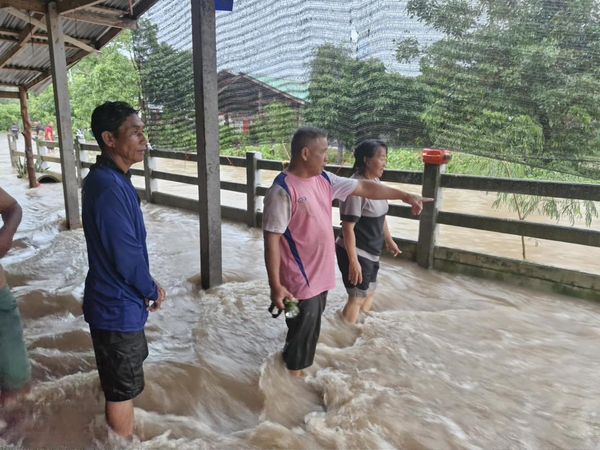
x: 443, y: 361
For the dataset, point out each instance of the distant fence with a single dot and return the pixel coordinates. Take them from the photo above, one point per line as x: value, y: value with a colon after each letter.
x: 424, y: 250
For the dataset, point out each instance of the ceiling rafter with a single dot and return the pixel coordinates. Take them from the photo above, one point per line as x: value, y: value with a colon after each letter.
x: 26, y: 18
x: 24, y: 36
x: 72, y: 5
x: 22, y: 69
x: 27, y: 5
x: 101, y: 19
x: 11, y: 35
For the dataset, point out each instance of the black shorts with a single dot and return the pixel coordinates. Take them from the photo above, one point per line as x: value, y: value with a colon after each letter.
x: 369, y: 273
x: 303, y: 333
x: 119, y: 359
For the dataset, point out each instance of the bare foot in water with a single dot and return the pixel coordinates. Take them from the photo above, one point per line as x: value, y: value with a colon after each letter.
x: 297, y: 373
x: 9, y: 399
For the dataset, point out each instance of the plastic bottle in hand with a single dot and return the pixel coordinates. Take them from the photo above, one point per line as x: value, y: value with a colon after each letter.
x: 291, y: 308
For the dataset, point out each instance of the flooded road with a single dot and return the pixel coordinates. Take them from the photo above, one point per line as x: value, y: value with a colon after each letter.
x: 443, y: 361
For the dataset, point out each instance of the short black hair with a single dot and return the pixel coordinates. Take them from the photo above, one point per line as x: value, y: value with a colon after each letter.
x: 110, y: 116
x: 366, y: 149
x: 303, y: 137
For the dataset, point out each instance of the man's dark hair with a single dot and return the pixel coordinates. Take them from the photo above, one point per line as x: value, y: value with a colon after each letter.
x: 303, y: 137
x: 366, y: 149
x: 110, y: 116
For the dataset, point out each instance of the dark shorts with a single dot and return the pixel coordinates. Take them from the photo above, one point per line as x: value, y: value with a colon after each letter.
x: 303, y: 333
x: 369, y: 274
x: 119, y: 359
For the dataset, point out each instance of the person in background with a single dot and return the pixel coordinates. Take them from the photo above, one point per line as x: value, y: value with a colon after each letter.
x: 15, y: 369
x: 364, y: 233
x: 37, y: 129
x: 14, y: 129
x: 299, y: 241
x: 119, y: 289
x: 49, y: 132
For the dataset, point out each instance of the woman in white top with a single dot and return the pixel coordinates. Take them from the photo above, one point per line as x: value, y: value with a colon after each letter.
x: 364, y: 233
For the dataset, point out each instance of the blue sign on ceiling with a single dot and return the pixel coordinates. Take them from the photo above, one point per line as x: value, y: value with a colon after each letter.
x: 224, y: 5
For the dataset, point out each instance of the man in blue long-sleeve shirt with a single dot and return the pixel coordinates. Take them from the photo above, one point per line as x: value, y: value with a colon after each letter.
x: 119, y: 290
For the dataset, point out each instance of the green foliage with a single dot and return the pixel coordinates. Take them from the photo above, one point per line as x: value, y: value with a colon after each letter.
x: 356, y: 100
x: 407, y: 50
x: 167, y: 83
x: 276, y: 125
x: 41, y: 106
x: 231, y: 138
x: 10, y: 113
x: 518, y: 79
x: 107, y: 76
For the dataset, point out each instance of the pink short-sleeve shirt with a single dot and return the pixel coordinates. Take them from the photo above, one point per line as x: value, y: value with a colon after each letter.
x: 300, y: 210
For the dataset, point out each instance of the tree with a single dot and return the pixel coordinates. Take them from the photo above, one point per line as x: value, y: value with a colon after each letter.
x: 10, y: 113
x: 515, y: 78
x: 107, y: 76
x: 355, y: 100
x: 276, y: 125
x: 167, y: 82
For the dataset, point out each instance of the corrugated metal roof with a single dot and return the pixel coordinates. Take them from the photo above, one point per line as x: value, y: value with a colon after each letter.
x: 91, y: 26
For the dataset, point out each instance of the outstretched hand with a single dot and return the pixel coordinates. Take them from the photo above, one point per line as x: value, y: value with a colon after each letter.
x: 416, y: 201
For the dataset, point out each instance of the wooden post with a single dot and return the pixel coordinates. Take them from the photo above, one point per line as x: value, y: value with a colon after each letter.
x: 27, y: 138
x: 149, y: 182
x: 63, y: 115
x: 427, y: 226
x: 252, y: 182
x: 204, y: 48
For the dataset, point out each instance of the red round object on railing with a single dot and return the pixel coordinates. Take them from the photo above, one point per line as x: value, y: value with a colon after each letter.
x: 436, y: 157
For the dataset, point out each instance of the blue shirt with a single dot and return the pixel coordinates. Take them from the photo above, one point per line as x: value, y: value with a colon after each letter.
x: 118, y: 280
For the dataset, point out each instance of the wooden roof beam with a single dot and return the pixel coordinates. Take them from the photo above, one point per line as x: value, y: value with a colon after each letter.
x: 101, y: 19
x: 23, y: 37
x: 26, y: 18
x: 10, y: 35
x: 27, y: 5
x: 73, y: 5
x: 4, y: 94
x: 22, y: 69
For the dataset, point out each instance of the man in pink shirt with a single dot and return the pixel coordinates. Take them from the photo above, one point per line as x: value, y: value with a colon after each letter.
x: 299, y: 241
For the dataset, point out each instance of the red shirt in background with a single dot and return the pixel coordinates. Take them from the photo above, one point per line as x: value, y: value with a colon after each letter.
x: 49, y: 133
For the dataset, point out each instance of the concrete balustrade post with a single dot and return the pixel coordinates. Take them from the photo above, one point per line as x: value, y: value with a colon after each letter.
x: 252, y: 182
x: 149, y: 182
x: 435, y: 166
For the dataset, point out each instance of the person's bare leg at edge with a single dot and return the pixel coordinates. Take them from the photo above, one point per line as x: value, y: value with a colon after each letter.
x: 9, y: 399
x: 352, y: 309
x: 366, y: 307
x: 120, y: 418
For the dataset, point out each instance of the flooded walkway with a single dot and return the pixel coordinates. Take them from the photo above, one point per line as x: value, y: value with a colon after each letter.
x: 443, y: 362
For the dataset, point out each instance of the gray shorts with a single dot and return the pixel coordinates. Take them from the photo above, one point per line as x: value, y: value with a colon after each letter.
x: 369, y: 269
